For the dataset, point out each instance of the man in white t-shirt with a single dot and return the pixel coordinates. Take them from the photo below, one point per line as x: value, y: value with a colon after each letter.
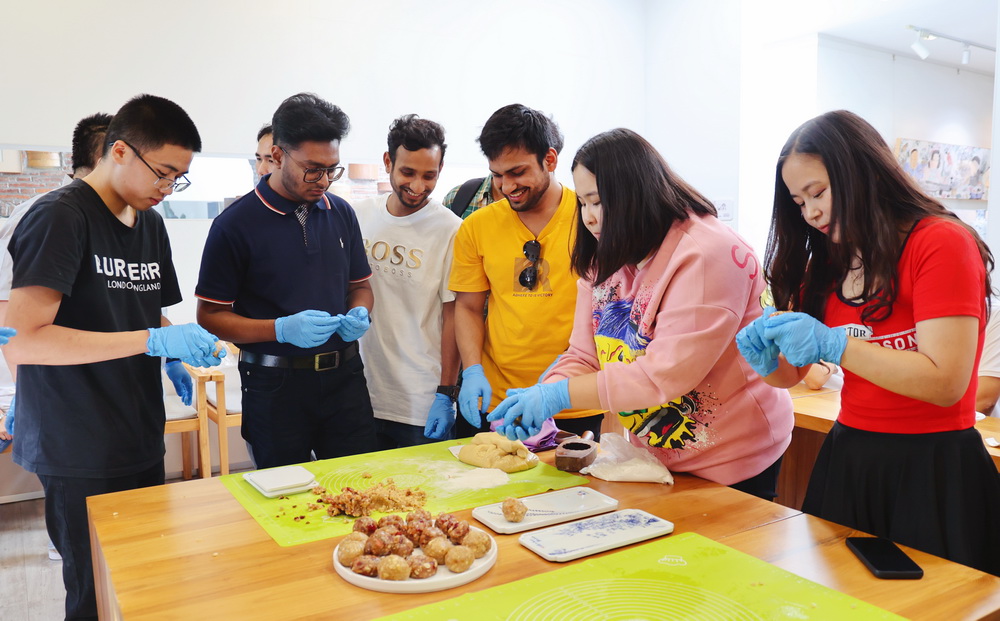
x: 989, y: 365
x: 410, y: 354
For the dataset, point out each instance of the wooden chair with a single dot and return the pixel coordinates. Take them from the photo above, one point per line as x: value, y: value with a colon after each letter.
x: 187, y: 420
x: 224, y: 404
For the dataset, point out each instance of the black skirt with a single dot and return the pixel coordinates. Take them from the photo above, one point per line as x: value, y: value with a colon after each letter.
x: 936, y: 492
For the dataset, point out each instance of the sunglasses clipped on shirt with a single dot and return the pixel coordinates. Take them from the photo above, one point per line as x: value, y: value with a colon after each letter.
x: 529, y: 275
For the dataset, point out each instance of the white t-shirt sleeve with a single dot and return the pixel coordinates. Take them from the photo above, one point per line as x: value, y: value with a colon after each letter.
x: 989, y: 364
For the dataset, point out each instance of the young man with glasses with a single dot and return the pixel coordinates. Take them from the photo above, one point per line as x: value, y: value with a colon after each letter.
x: 285, y: 277
x: 92, y: 273
x: 515, y: 253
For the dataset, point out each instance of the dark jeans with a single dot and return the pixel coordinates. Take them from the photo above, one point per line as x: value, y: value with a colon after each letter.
x: 389, y: 435
x: 66, y: 521
x: 290, y: 413
x: 763, y: 485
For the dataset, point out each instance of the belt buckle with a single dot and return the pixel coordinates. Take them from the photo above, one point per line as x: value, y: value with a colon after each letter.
x: 319, y: 367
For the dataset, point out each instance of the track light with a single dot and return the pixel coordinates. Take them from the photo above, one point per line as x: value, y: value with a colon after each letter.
x: 924, y: 34
x: 966, y: 54
x: 920, y: 49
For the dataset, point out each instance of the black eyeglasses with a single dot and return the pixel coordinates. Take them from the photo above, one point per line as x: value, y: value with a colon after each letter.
x: 162, y: 183
x: 312, y: 175
x: 529, y: 275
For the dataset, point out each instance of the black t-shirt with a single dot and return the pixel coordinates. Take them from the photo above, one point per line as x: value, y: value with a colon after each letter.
x: 103, y: 419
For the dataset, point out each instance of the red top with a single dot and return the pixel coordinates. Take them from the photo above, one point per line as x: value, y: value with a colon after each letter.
x: 940, y: 275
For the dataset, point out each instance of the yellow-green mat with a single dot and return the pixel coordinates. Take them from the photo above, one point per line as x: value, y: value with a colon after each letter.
x: 684, y: 576
x: 430, y: 467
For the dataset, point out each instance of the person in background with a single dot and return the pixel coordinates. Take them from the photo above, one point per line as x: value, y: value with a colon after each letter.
x: 988, y: 390
x: 411, y: 359
x: 515, y: 253
x: 92, y: 273
x: 265, y: 141
x: 284, y: 276
x: 664, y: 288
x: 891, y: 286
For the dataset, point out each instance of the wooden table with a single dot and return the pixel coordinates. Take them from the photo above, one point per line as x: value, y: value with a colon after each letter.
x: 190, y: 550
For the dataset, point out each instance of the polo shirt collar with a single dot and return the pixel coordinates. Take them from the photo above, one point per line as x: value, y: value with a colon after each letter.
x: 278, y: 203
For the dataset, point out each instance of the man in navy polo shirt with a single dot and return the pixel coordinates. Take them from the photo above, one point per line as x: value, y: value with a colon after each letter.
x: 284, y: 276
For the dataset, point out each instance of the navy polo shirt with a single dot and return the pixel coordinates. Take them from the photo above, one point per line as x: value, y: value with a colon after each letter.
x: 257, y: 260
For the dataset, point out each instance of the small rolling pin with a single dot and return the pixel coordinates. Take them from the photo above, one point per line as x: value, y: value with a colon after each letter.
x: 577, y: 452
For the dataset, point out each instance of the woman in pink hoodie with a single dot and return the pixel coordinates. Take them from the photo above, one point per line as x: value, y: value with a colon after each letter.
x: 665, y: 287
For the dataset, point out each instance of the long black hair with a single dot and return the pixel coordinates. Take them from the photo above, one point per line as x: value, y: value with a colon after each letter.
x: 641, y: 198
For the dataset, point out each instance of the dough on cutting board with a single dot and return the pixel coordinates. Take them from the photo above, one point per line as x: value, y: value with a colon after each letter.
x: 492, y: 450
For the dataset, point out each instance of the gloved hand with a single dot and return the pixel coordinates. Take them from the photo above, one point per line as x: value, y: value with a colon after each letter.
x: 181, y: 379
x: 6, y: 334
x: 760, y: 352
x: 189, y: 342
x: 306, y: 329
x: 804, y: 340
x: 440, y: 419
x: 474, y: 388
x: 354, y: 324
x: 525, y: 409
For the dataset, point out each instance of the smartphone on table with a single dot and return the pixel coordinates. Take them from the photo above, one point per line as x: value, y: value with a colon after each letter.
x: 884, y: 558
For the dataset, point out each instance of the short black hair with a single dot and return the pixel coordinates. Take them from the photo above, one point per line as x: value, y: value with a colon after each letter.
x: 516, y: 126
x: 414, y: 133
x: 265, y: 130
x: 307, y: 117
x: 147, y: 122
x: 88, y: 139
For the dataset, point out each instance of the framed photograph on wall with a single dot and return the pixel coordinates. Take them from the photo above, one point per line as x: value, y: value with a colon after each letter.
x: 946, y: 170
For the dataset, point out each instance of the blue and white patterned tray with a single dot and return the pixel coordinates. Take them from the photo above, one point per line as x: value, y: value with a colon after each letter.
x: 547, y: 509
x: 596, y: 534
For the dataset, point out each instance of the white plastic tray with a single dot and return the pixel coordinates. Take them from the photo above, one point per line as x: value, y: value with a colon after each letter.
x: 278, y: 481
x: 595, y: 534
x: 443, y: 579
x: 547, y: 509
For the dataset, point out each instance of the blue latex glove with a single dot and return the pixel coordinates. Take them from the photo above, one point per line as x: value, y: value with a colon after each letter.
x: 760, y: 352
x: 804, y: 340
x: 354, y: 324
x: 181, y: 379
x: 474, y: 388
x: 5, y: 334
x: 306, y: 329
x: 525, y: 409
x: 189, y: 342
x: 440, y: 419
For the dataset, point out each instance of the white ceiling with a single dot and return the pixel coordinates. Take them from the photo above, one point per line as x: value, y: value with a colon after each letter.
x: 883, y: 24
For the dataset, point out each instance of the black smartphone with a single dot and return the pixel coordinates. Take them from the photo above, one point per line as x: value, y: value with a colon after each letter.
x: 884, y: 558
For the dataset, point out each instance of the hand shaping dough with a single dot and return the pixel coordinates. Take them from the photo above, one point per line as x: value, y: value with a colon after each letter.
x: 492, y: 450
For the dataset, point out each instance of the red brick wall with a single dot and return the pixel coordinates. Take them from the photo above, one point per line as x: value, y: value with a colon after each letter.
x: 15, y: 188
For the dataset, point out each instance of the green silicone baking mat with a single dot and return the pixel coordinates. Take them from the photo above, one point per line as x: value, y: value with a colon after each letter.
x: 684, y: 576
x: 450, y: 486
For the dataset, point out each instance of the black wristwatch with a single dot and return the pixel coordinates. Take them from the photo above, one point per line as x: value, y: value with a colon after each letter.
x: 449, y: 391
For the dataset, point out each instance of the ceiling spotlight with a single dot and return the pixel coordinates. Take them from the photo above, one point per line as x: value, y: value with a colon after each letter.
x: 966, y: 54
x: 920, y: 49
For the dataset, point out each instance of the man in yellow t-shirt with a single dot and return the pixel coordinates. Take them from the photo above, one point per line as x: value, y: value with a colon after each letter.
x: 516, y: 254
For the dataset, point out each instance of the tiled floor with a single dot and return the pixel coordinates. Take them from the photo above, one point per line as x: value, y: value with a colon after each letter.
x: 31, y: 587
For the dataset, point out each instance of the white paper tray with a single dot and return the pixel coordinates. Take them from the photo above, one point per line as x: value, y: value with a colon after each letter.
x: 595, y: 534
x: 547, y: 509
x: 275, y: 482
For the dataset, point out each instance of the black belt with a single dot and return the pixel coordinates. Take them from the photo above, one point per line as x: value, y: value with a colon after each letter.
x: 318, y: 362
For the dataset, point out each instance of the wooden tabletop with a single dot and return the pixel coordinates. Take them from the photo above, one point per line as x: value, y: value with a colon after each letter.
x: 190, y: 550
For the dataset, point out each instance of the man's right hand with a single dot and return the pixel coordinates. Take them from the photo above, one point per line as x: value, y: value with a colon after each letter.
x: 189, y: 342
x: 306, y: 329
x: 474, y: 388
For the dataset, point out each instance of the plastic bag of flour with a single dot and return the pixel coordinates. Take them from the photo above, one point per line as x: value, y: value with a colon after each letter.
x: 619, y: 460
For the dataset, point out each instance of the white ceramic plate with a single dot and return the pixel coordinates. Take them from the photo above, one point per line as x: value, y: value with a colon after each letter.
x: 547, y: 509
x: 278, y: 481
x: 596, y: 534
x: 443, y: 579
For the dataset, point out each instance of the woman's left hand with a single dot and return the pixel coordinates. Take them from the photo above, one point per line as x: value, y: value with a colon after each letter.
x: 525, y: 409
x: 804, y: 339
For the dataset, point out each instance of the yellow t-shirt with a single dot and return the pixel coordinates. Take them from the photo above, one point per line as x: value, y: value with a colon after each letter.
x: 525, y: 329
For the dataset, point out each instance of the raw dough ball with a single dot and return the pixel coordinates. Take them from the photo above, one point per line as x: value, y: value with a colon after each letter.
x: 419, y: 514
x: 355, y: 536
x: 457, y: 531
x: 492, y: 450
x: 422, y: 566
x: 366, y: 565
x: 479, y: 542
x: 513, y: 510
x: 393, y: 567
x: 459, y: 559
x: 414, y: 528
x: 437, y: 548
x: 385, y: 520
x: 379, y: 544
x: 429, y: 533
x: 349, y: 551
x: 444, y: 521
x: 365, y: 525
x: 401, y: 546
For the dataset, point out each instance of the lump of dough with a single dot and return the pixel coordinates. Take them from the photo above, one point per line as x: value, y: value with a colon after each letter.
x: 492, y: 450
x: 513, y: 509
x: 393, y: 567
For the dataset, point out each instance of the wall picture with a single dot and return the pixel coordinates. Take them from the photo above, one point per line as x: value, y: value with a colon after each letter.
x: 946, y: 170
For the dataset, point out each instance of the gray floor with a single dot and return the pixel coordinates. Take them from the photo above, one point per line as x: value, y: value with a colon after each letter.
x: 31, y: 587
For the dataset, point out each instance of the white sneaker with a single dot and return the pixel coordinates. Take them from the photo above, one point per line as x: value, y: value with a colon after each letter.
x: 53, y: 553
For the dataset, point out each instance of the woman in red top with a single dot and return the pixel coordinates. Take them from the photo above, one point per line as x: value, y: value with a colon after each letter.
x: 891, y: 286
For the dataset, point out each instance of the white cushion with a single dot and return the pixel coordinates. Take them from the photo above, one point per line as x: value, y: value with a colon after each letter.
x: 234, y: 392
